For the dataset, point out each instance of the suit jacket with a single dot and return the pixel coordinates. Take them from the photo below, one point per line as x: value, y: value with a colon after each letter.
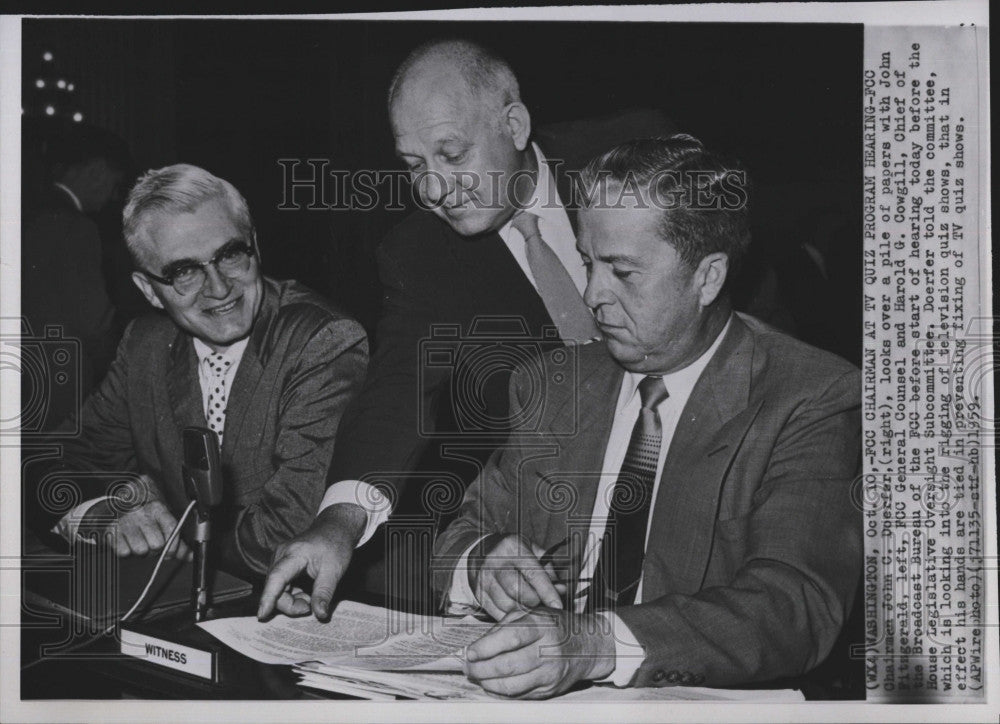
x: 63, y: 285
x: 441, y: 291
x: 304, y: 361
x: 754, y: 547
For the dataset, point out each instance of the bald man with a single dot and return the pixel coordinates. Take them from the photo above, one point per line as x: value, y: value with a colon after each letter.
x: 494, y: 239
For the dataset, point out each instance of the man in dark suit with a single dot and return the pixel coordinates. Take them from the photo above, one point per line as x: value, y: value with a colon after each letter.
x: 698, y: 528
x: 466, y: 274
x: 62, y: 283
x: 269, y: 366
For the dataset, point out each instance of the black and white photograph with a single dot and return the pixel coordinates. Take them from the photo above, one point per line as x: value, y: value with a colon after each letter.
x: 433, y: 366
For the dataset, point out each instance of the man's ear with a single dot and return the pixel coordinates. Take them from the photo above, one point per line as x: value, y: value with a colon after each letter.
x: 517, y: 121
x: 711, y: 276
x: 144, y: 285
x: 256, y: 247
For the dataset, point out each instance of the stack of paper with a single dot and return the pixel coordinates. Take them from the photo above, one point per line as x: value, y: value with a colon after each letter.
x: 376, y: 653
x: 365, y: 637
x: 389, y: 685
x: 363, y: 650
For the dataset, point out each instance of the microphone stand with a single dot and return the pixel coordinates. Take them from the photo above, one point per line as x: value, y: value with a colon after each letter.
x: 202, y: 471
x: 199, y: 586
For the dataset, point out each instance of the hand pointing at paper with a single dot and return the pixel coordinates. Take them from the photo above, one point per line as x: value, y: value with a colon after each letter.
x: 323, y: 552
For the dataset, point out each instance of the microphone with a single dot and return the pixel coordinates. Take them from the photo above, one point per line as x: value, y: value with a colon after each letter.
x: 202, y: 472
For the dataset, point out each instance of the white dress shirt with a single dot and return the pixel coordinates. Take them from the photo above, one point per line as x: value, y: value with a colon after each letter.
x: 207, y: 379
x: 628, y: 652
x: 557, y: 232
x: 553, y: 225
x: 68, y: 526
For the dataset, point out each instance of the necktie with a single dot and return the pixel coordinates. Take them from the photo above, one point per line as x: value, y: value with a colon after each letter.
x: 217, y: 395
x: 555, y: 286
x: 616, y: 576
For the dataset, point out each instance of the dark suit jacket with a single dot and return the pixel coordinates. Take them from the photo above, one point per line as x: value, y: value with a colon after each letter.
x: 62, y: 283
x: 754, y: 545
x: 304, y: 361
x: 436, y: 284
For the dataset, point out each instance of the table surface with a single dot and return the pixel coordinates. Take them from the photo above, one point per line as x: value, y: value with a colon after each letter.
x: 98, y: 670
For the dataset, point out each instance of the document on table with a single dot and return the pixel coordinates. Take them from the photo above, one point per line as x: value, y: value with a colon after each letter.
x: 376, y: 653
x: 455, y: 687
x: 360, y: 636
x: 390, y: 684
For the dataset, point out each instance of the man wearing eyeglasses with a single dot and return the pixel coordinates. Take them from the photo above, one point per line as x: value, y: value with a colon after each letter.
x: 269, y: 366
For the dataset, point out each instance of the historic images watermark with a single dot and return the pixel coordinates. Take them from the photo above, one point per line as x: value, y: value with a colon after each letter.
x: 315, y: 184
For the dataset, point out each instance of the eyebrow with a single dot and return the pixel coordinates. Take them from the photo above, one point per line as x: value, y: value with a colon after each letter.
x: 438, y: 145
x: 620, y: 259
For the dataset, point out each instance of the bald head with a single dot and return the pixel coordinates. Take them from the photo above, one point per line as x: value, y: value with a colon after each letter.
x: 443, y: 63
x: 463, y: 133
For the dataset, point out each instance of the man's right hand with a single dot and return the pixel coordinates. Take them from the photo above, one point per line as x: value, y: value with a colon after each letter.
x: 509, y: 576
x: 323, y: 551
x: 142, y: 528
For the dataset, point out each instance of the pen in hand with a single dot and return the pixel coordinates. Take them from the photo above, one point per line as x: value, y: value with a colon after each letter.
x: 571, y: 589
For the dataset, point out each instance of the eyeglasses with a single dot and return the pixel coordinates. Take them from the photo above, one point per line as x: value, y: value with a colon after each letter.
x: 231, y: 261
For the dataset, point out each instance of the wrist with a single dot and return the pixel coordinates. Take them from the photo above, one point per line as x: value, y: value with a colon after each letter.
x: 477, y: 556
x: 98, y: 516
x: 603, y: 651
x: 346, y: 520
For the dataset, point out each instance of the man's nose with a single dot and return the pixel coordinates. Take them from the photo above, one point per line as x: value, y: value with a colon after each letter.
x: 596, y: 293
x: 436, y: 187
x: 217, y: 285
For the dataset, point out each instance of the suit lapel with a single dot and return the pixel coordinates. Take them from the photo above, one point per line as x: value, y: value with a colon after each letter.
x: 183, y: 387
x: 588, y: 411
x: 710, y: 431
x: 248, y: 376
x: 493, y: 277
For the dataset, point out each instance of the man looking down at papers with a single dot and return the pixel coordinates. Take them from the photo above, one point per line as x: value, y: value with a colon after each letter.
x: 698, y: 529
x: 463, y: 258
x: 269, y: 366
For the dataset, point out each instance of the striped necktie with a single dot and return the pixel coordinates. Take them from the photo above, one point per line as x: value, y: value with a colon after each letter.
x: 619, y: 567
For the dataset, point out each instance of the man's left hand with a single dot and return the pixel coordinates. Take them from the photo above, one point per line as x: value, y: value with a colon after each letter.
x: 540, y: 653
x: 323, y: 552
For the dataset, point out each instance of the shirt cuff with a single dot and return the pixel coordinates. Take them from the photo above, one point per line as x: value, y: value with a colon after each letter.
x: 356, y: 492
x: 460, y: 596
x: 629, y: 653
x: 69, y: 525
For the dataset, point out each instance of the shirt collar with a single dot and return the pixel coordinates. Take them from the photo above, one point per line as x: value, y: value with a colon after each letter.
x: 233, y: 353
x: 545, y: 202
x: 679, y: 383
x: 72, y: 197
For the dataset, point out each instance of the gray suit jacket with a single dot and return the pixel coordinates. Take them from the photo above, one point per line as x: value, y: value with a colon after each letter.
x: 304, y: 361
x: 754, y: 546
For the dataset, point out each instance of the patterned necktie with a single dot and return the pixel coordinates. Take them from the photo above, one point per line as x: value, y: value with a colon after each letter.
x: 217, y: 395
x: 619, y: 567
x: 555, y: 286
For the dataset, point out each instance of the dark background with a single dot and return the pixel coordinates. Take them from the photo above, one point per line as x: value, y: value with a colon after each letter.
x: 234, y: 96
